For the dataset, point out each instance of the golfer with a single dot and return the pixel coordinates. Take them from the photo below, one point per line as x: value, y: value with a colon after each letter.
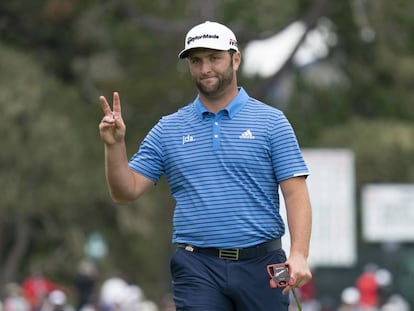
x: 225, y: 155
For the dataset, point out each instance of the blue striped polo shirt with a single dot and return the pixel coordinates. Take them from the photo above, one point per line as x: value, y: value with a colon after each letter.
x: 223, y: 170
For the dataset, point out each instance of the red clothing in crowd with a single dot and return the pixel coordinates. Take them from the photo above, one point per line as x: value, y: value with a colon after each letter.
x: 36, y: 289
x: 368, y: 289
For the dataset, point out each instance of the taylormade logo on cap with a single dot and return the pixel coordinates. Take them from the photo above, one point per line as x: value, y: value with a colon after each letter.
x: 209, y: 35
x: 190, y: 39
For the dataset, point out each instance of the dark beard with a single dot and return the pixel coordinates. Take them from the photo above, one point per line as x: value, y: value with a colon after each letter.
x: 224, y: 80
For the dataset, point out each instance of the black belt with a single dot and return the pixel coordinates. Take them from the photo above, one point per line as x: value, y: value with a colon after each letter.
x: 236, y: 253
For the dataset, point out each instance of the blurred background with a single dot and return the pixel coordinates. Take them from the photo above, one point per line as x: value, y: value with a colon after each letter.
x: 342, y: 72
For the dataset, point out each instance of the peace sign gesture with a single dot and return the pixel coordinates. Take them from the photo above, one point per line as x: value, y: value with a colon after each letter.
x: 112, y: 127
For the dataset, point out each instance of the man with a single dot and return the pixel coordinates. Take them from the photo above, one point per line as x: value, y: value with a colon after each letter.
x: 225, y: 156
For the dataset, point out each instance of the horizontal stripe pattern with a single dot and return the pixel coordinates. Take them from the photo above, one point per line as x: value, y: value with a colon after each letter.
x: 223, y: 170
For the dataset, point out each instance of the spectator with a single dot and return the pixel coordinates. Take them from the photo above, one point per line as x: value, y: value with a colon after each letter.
x: 385, y: 287
x: 396, y: 303
x: 85, y: 282
x: 36, y: 288
x: 56, y: 301
x: 116, y: 294
x: 350, y: 298
x: 14, y: 300
x: 368, y: 288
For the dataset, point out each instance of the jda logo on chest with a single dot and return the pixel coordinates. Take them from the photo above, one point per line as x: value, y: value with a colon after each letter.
x: 188, y: 139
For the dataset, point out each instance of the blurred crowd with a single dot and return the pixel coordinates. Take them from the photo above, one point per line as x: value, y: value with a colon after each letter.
x: 38, y: 293
x: 372, y: 291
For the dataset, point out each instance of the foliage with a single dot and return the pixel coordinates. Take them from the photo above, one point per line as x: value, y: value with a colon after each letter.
x: 384, y: 148
x: 57, y: 57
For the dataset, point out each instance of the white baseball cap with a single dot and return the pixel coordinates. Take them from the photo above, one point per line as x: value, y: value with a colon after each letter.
x: 57, y: 297
x: 209, y: 35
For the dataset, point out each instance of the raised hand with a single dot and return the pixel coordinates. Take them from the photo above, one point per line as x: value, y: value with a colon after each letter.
x: 112, y: 127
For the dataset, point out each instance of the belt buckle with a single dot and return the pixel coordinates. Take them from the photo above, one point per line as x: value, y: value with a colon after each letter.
x: 231, y: 254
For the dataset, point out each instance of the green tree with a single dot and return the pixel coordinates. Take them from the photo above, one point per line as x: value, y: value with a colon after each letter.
x: 57, y: 57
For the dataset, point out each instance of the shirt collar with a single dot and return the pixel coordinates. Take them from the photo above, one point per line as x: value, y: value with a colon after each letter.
x: 232, y: 108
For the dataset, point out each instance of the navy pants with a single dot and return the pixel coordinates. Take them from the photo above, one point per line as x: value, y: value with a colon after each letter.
x: 205, y: 283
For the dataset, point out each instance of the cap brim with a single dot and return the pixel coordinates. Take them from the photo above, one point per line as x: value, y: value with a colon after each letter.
x: 184, y: 53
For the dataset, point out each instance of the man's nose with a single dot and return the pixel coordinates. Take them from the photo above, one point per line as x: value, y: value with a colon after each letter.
x: 205, y: 66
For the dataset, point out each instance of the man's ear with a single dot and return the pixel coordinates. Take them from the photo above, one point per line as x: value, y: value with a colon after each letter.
x: 236, y: 60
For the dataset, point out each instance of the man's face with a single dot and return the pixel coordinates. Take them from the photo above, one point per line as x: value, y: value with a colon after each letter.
x: 213, y: 71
